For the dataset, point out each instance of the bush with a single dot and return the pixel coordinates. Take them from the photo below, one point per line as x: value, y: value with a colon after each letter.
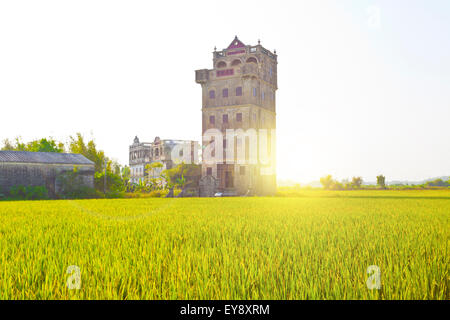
x: 29, y: 193
x: 81, y: 192
x: 114, y: 182
x: 157, y: 193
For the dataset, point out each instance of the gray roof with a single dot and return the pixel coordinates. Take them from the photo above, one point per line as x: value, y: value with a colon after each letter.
x: 44, y: 157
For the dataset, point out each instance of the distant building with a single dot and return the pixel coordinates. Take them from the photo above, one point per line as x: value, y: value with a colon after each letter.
x: 239, y: 95
x: 166, y: 152
x: 42, y: 169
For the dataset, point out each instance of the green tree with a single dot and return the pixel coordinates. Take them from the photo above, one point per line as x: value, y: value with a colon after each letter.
x: 154, y: 166
x: 357, y: 182
x: 327, y: 182
x: 126, y: 173
x: 185, y: 176
x: 40, y: 145
x: 77, y: 144
x: 438, y: 183
x: 381, y: 181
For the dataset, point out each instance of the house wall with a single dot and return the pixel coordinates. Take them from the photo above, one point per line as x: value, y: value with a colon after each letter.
x: 37, y: 174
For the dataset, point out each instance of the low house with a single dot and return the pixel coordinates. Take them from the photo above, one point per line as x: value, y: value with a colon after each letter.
x: 22, y: 168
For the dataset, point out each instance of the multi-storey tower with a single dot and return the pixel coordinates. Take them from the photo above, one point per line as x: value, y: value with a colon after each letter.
x: 239, y: 93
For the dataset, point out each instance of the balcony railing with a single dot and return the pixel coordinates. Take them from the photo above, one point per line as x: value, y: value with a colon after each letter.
x: 201, y: 75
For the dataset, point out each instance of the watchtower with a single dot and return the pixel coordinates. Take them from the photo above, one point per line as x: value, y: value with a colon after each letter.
x: 239, y: 95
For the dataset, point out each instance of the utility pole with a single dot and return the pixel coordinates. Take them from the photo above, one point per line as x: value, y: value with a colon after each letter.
x: 104, y: 182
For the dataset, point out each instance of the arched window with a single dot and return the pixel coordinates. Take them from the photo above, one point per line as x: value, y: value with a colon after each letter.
x: 252, y: 60
x: 221, y: 64
x: 236, y: 62
x: 212, y: 94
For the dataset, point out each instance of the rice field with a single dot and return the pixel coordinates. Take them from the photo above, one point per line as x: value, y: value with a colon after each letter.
x: 299, y: 245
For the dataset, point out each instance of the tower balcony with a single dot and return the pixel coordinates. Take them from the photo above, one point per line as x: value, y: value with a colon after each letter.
x: 201, y: 76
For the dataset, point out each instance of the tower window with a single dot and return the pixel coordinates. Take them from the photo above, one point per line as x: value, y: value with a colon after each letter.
x: 225, y: 118
x: 225, y: 93
x: 236, y: 62
x: 212, y: 120
x: 212, y: 94
x: 239, y: 117
x: 270, y: 71
x: 254, y: 92
x: 222, y: 64
x: 209, y: 171
x: 262, y: 95
x: 239, y: 91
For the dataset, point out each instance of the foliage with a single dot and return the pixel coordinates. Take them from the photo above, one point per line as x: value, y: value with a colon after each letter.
x: 310, y: 247
x: 327, y: 182
x: 357, y: 182
x: 152, y: 168
x: 126, y: 174
x: 114, y: 182
x: 157, y: 193
x: 77, y: 144
x: 438, y: 183
x: 72, y: 186
x: 185, y: 176
x: 41, y: 145
x: 381, y: 181
x: 28, y: 193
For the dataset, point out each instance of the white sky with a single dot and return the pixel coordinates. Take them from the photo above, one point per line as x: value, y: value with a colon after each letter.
x: 355, y: 97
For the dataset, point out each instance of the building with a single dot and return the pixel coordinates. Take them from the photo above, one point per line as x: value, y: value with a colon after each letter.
x: 21, y: 168
x: 239, y: 93
x: 166, y: 152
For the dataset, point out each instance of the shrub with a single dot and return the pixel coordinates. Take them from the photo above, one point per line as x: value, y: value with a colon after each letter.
x: 29, y: 193
x: 157, y: 193
x: 81, y: 192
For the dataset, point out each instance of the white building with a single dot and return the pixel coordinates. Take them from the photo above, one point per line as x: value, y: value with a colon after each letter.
x: 167, y: 152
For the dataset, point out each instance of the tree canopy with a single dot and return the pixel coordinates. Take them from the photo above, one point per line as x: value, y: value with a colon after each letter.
x: 40, y: 145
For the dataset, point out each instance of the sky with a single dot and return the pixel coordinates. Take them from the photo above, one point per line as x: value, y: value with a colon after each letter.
x: 364, y: 86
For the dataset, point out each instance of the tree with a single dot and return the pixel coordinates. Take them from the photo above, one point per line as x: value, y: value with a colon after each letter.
x: 89, y: 150
x: 114, y: 180
x: 438, y: 183
x: 381, y: 181
x: 40, y: 145
x: 126, y: 173
x: 327, y: 182
x: 357, y: 182
x: 185, y: 176
x: 154, y: 166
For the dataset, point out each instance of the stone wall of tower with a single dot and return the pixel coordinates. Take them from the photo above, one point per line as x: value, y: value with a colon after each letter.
x: 241, y: 86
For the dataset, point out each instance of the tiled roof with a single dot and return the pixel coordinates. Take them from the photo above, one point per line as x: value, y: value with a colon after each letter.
x: 44, y: 157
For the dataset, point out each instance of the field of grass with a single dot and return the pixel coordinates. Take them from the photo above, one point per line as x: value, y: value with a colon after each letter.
x: 301, y: 245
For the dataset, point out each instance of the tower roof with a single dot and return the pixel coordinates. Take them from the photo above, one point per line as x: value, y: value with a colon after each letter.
x: 236, y: 43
